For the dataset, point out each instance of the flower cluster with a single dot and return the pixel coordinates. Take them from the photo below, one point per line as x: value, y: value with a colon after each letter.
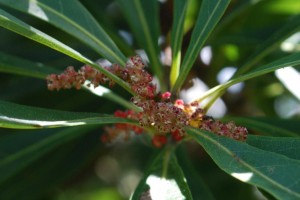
x: 70, y: 78
x: 228, y: 129
x: 119, y: 129
x: 164, y: 118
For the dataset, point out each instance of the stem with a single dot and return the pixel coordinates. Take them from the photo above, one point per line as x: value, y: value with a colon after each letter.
x: 169, y: 150
x: 116, y: 79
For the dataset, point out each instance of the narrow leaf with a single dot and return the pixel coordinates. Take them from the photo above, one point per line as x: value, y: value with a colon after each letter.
x: 210, y: 13
x: 177, y: 32
x: 199, y: 188
x: 275, y: 173
x: 269, y: 126
x: 290, y: 60
x: 10, y: 22
x: 14, y: 65
x: 163, y: 180
x: 217, y: 91
x: 270, y: 44
x: 143, y: 18
x: 71, y: 17
x: 26, y: 117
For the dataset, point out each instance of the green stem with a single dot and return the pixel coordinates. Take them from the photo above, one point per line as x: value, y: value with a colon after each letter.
x: 169, y: 150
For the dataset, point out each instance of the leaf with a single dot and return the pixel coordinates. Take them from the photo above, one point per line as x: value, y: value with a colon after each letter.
x: 11, y: 23
x: 71, y: 17
x: 269, y: 126
x: 197, y: 185
x: 286, y: 61
x: 287, y: 146
x: 163, y: 180
x: 217, y: 91
x: 30, y: 146
x: 59, y: 161
x: 26, y: 117
x: 177, y: 32
x: 210, y: 13
x: 143, y: 18
x: 14, y: 65
x: 270, y: 44
x: 275, y: 173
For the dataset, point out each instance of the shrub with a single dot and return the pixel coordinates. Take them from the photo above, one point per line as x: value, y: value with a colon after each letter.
x: 147, y: 129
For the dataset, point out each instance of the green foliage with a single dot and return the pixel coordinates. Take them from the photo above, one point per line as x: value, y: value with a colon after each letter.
x: 52, y: 160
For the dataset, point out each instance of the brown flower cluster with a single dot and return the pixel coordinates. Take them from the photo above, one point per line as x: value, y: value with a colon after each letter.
x: 165, y: 118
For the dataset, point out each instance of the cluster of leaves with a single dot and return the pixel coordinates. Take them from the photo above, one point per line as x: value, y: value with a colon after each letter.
x: 34, y: 163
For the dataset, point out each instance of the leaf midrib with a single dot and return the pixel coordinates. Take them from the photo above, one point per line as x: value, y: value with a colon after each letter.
x: 201, y: 33
x: 76, y: 25
x: 246, y: 165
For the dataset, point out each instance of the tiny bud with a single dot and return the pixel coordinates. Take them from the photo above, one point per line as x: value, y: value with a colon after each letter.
x: 159, y: 141
x: 166, y: 95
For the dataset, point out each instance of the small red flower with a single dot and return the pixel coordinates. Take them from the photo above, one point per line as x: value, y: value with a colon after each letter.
x: 159, y: 141
x: 166, y: 95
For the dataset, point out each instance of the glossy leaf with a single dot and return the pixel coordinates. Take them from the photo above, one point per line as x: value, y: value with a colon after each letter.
x: 143, y: 18
x: 269, y: 126
x: 198, y: 187
x: 210, y: 13
x: 218, y: 90
x: 273, y: 172
x: 287, y: 146
x: 14, y: 65
x: 164, y: 179
x: 26, y: 117
x: 177, y: 32
x: 270, y: 44
x: 73, y: 18
x: 11, y: 23
x: 30, y: 146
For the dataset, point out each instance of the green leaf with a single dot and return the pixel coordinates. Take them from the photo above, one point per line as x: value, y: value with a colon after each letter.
x: 287, y: 146
x: 163, y: 180
x: 143, y: 18
x: 10, y: 22
x: 14, y: 65
x: 30, y: 146
x: 217, y: 91
x: 275, y: 173
x: 71, y: 17
x: 26, y: 117
x: 269, y: 126
x: 197, y: 185
x: 177, y: 32
x: 270, y: 44
x: 210, y: 13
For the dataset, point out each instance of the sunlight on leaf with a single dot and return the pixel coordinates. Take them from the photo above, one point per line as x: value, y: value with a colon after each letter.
x: 27, y: 117
x: 36, y: 10
x: 275, y: 173
x: 72, y: 17
x: 39, y: 123
x: 161, y: 188
x: 245, y: 177
x: 209, y: 15
x: 10, y: 22
x: 99, y: 90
